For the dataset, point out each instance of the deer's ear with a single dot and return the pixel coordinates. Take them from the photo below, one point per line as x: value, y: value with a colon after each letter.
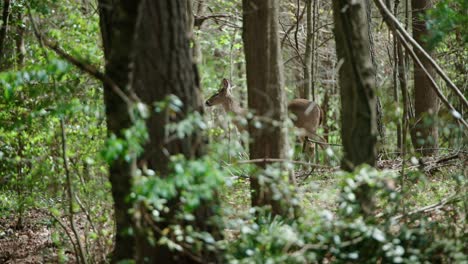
x: 226, y: 84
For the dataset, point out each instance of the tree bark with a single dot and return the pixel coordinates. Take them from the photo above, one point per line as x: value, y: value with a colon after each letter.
x: 307, y: 67
x: 20, y: 49
x: 163, y: 67
x: 147, y: 50
x: 266, y: 97
x: 118, y: 20
x: 357, y: 83
x: 379, y: 110
x: 5, y: 50
x: 4, y: 28
x: 423, y: 135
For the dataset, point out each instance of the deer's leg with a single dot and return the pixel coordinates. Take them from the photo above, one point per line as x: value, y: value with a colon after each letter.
x: 322, y: 142
x: 304, y: 144
x: 308, y: 149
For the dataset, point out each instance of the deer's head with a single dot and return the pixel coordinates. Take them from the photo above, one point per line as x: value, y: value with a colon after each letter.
x: 222, y: 95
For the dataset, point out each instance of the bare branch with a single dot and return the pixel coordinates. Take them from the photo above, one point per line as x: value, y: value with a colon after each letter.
x: 434, y: 85
x: 392, y: 22
x: 83, y: 66
x: 69, y: 187
x: 198, y: 20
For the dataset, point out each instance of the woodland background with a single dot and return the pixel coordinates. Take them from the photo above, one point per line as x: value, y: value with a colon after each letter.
x: 107, y: 154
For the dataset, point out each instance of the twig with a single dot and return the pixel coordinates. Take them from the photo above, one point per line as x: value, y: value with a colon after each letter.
x: 198, y: 20
x: 226, y: 23
x: 64, y: 227
x: 83, y: 66
x: 324, y: 143
x: 296, y: 49
x: 70, y: 193
x: 286, y: 34
x: 88, y: 216
x: 296, y: 32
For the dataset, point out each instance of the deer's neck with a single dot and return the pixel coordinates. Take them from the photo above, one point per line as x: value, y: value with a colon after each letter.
x: 231, y: 105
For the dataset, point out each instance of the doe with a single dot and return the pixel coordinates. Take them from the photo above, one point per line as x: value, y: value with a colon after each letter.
x: 307, y: 114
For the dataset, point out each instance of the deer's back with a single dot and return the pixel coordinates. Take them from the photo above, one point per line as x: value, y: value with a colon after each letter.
x: 308, y: 114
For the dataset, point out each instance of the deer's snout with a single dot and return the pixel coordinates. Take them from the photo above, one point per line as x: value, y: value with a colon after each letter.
x: 207, y: 103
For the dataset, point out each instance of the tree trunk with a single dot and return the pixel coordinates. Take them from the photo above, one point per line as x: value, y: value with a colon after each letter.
x: 357, y: 83
x: 6, y: 50
x: 5, y: 26
x: 266, y: 97
x: 147, y: 50
x: 118, y: 21
x: 20, y: 49
x: 307, y: 67
x: 358, y: 102
x: 378, y: 107
x: 164, y: 67
x: 424, y: 135
x: 196, y: 47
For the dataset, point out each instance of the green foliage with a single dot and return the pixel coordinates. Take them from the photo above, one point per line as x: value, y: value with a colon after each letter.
x: 346, y: 235
x: 448, y: 17
x: 128, y: 147
x: 190, y: 184
x: 191, y: 181
x: 35, y: 96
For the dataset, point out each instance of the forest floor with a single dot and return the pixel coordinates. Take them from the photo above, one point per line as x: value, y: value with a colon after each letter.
x: 34, y: 242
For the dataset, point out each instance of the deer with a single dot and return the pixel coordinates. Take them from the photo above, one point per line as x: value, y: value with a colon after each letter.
x: 307, y: 114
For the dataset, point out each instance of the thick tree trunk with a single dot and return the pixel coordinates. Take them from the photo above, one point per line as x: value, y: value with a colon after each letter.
x: 358, y: 102
x: 424, y: 135
x: 164, y: 67
x: 357, y: 83
x: 265, y: 92
x: 147, y: 50
x: 118, y: 21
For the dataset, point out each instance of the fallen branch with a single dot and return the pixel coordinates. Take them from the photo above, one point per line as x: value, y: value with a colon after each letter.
x: 426, y: 209
x: 323, y: 143
x: 440, y: 162
x: 272, y: 160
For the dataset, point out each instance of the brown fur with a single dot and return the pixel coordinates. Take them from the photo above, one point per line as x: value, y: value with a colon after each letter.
x: 307, y: 114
